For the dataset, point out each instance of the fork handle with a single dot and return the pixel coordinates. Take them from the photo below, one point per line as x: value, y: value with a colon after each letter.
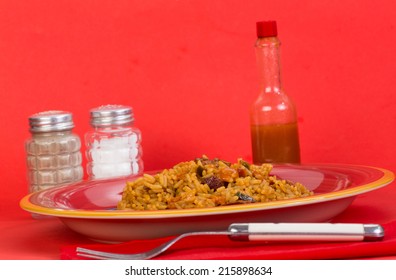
x: 305, y: 232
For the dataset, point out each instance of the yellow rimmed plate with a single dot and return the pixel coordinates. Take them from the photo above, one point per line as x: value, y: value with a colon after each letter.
x: 89, y: 207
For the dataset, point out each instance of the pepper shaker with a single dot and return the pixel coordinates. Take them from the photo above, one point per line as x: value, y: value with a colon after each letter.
x: 53, y: 151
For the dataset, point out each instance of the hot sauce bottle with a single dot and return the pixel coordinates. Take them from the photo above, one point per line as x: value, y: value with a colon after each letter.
x: 273, y: 117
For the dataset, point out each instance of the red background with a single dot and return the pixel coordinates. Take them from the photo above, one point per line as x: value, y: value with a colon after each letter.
x: 188, y: 69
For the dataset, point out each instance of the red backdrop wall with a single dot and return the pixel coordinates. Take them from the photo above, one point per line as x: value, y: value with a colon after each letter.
x: 188, y: 69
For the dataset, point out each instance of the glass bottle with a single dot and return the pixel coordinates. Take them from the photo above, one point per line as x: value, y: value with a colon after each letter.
x: 273, y: 117
x: 53, y: 151
x: 113, y: 144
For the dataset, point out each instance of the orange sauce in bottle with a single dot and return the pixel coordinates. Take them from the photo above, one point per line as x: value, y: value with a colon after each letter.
x: 275, y: 143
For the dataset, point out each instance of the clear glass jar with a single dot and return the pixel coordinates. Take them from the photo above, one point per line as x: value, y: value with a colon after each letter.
x: 114, y: 144
x: 273, y: 116
x: 53, y: 151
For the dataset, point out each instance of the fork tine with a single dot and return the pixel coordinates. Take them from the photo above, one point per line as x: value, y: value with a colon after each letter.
x: 100, y: 255
x: 93, y: 254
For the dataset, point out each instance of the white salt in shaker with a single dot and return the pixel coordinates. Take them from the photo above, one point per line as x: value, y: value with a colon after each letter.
x: 53, y: 151
x: 114, y: 144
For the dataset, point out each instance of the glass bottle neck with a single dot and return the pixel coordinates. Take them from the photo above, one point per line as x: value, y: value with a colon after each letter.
x: 268, y: 62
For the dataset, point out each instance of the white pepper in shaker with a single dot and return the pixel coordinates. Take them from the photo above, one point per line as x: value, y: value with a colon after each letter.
x: 53, y: 151
x: 113, y: 146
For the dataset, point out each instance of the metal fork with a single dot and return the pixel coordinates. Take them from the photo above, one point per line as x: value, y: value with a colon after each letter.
x: 327, y: 232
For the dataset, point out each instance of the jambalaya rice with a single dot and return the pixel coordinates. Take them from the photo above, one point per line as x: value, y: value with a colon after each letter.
x: 208, y: 183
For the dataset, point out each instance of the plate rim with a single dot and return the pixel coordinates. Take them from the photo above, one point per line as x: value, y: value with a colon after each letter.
x: 386, y: 178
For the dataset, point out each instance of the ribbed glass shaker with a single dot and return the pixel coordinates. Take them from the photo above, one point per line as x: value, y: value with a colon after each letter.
x: 113, y: 145
x: 53, y: 152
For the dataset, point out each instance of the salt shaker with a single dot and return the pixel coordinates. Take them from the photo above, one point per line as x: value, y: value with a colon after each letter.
x: 113, y: 146
x: 53, y: 151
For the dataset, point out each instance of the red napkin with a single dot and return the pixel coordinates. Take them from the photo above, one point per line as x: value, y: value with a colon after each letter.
x: 220, y: 247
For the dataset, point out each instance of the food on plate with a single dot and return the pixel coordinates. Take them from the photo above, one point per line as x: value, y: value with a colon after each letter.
x: 205, y: 182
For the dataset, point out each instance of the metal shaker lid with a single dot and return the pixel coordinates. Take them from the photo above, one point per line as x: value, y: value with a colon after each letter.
x: 111, y: 115
x: 48, y: 121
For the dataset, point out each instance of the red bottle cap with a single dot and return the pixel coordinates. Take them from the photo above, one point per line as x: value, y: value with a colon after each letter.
x: 266, y: 29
